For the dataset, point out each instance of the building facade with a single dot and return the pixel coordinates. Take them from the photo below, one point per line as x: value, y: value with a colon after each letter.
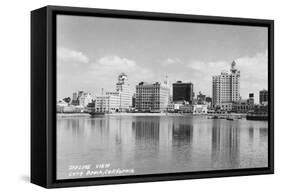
x: 75, y: 100
x: 183, y: 91
x: 134, y: 101
x: 226, y: 87
x: 85, y: 99
x: 242, y: 106
x: 81, y: 98
x: 108, y: 103
x: 200, y: 109
x: 251, y: 99
x: 263, y: 97
x: 152, y: 97
x: 117, y: 101
x: 123, y: 88
x: 201, y: 98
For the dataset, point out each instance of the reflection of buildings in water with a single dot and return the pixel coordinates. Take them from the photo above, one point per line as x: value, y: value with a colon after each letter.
x: 182, y: 134
x: 165, y: 134
x: 165, y: 140
x: 146, y: 129
x: 251, y: 135
x: 146, y: 144
x: 225, y: 145
x: 234, y: 144
x: 156, y: 144
x: 263, y: 134
x: 120, y: 130
x: 216, y: 145
x: 182, y: 140
x: 99, y: 127
x: 73, y: 137
x: 257, y: 136
x: 120, y: 138
x: 75, y: 127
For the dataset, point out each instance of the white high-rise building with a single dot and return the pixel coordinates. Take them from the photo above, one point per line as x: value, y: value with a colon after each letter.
x: 226, y: 87
x: 123, y: 87
x: 117, y: 101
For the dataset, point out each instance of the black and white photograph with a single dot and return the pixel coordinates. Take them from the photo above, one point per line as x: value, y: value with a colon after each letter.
x: 138, y: 97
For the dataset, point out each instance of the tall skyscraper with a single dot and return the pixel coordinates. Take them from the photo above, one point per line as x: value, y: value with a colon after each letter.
x: 226, y: 86
x: 123, y: 87
x: 116, y: 101
x: 263, y: 96
x: 183, y: 91
x: 152, y: 97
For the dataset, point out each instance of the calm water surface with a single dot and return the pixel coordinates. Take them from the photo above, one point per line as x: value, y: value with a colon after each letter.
x: 158, y: 144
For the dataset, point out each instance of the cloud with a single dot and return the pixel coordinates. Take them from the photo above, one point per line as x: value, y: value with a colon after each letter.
x: 253, y: 73
x: 101, y: 73
x: 171, y: 61
x: 69, y: 55
x: 107, y: 69
x: 77, y: 72
x: 114, y: 63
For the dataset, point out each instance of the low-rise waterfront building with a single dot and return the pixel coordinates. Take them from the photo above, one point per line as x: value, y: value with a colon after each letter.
x: 69, y: 108
x: 61, y: 106
x: 85, y: 99
x: 171, y: 107
x: 225, y: 106
x: 74, y: 109
x: 81, y: 98
x: 108, y: 103
x: 180, y: 106
x: 200, y: 109
x: 186, y: 108
x: 242, y: 106
x: 201, y: 98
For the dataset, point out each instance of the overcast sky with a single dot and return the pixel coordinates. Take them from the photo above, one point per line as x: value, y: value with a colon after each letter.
x: 92, y: 52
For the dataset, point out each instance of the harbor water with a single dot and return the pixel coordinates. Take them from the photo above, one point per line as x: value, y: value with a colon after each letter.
x: 133, y: 145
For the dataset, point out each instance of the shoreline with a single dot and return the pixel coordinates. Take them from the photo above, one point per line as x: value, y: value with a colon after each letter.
x: 72, y: 114
x: 149, y: 114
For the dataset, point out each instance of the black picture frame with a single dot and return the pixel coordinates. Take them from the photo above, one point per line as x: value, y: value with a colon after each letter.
x: 43, y: 95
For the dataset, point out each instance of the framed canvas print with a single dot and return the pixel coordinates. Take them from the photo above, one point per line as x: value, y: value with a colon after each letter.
x: 126, y: 96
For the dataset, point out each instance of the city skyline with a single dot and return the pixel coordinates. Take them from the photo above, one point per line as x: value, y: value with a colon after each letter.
x: 91, y: 59
x: 149, y: 94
